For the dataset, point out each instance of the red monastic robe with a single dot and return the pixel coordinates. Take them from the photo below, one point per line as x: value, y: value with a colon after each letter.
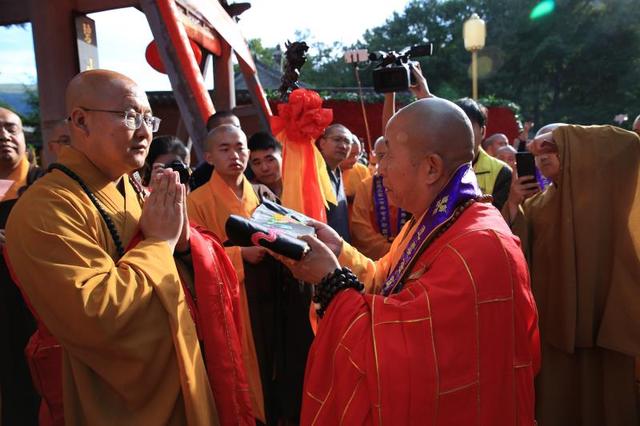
x: 457, y: 346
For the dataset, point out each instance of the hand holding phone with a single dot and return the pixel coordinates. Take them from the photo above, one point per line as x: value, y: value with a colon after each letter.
x: 525, y: 164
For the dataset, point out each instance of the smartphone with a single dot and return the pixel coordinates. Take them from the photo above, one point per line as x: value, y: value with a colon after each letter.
x: 525, y: 164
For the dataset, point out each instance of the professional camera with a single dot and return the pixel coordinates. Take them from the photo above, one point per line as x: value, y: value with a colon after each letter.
x: 393, y: 73
x: 183, y: 170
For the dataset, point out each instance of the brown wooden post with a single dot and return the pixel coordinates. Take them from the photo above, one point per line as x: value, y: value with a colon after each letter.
x: 224, y: 91
x: 56, y: 59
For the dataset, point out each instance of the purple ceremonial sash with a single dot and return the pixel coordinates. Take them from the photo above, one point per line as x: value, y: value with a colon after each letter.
x: 381, y: 210
x: 542, y: 181
x: 462, y: 187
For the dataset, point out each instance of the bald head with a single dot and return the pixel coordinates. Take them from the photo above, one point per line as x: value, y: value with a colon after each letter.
x: 96, y: 86
x: 549, y: 128
x: 12, y: 141
x: 221, y: 133
x: 108, y: 121
x: 435, y: 125
x: 5, y: 112
x: 495, y: 142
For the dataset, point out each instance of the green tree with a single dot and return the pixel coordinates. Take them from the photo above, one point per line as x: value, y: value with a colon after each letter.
x: 578, y: 63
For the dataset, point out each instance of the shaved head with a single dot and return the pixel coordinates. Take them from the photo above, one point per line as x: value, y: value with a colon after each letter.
x: 435, y: 125
x: 97, y: 103
x: 549, y: 128
x: 426, y: 142
x: 10, y: 114
x: 12, y: 141
x: 636, y: 125
x: 89, y: 87
x: 219, y: 133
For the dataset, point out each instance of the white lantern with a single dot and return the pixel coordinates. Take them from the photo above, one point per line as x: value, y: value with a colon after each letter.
x: 474, y: 33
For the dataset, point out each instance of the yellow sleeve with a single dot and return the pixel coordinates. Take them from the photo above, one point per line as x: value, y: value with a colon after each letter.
x: 96, y: 307
x: 363, y: 235
x: 196, y: 214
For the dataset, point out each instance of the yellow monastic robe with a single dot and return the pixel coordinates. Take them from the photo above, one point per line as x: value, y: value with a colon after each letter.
x: 352, y: 178
x: 210, y: 206
x: 365, y: 234
x: 374, y: 273
x: 130, y: 351
x: 19, y: 178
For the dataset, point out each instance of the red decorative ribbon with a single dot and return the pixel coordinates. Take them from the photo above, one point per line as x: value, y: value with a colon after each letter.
x: 302, y: 118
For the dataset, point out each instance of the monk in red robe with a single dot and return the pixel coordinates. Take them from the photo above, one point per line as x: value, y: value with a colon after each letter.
x: 443, y: 329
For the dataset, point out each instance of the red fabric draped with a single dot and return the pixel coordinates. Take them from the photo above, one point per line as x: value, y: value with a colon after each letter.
x: 458, y: 345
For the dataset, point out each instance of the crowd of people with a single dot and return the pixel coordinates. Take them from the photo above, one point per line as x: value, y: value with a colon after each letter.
x: 443, y: 288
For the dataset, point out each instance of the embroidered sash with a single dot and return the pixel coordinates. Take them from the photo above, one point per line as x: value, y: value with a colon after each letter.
x: 462, y: 187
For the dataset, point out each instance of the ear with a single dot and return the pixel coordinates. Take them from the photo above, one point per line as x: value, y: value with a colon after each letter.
x: 78, y: 121
x: 483, y: 131
x: 321, y: 142
x: 432, y: 169
x: 208, y: 158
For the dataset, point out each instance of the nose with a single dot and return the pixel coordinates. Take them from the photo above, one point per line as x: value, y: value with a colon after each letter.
x: 4, y: 134
x: 144, y: 131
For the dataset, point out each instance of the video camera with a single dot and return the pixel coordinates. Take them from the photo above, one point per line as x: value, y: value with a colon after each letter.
x: 393, y: 73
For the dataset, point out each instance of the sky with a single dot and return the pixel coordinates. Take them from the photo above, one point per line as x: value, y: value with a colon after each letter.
x: 327, y: 21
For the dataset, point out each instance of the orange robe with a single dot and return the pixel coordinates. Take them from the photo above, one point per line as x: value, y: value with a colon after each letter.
x: 130, y: 351
x: 352, y: 178
x: 209, y: 206
x: 457, y: 346
x: 365, y: 232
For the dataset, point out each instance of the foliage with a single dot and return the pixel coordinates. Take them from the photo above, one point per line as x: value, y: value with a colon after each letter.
x: 577, y: 64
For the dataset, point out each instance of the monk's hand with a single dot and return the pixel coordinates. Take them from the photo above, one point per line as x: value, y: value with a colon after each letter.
x: 316, y: 264
x: 254, y: 254
x: 183, y: 242
x: 543, y: 144
x: 163, y: 211
x: 327, y: 235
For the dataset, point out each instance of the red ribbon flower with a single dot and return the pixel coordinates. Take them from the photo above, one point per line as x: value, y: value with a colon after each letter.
x: 303, y: 117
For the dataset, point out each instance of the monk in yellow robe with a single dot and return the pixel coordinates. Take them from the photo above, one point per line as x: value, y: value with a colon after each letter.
x: 582, y: 238
x: 20, y: 400
x: 375, y: 221
x: 230, y: 192
x: 130, y: 351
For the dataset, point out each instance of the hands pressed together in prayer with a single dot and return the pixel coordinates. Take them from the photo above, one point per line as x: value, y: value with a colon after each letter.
x: 164, y: 215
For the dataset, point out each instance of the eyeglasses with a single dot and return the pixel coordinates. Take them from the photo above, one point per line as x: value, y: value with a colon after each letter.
x: 133, y: 120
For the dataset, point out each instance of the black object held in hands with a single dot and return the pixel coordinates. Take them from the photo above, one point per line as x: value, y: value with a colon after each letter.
x: 245, y: 233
